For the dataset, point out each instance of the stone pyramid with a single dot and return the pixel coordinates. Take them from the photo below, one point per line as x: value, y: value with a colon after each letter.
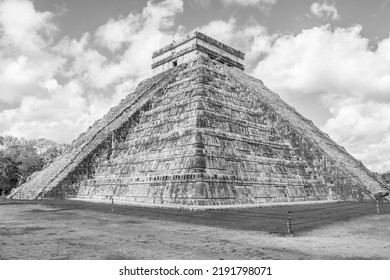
x: 202, y: 132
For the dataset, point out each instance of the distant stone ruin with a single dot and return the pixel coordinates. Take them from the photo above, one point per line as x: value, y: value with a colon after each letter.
x: 202, y: 132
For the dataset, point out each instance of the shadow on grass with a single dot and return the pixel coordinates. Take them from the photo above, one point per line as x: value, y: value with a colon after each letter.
x: 269, y: 219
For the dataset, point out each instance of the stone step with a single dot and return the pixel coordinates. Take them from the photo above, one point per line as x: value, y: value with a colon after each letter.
x: 86, y: 143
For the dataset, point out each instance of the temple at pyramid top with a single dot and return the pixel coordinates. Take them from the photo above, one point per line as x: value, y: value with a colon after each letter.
x: 192, y: 46
x: 201, y: 133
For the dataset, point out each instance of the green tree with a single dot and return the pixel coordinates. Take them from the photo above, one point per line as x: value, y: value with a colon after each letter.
x: 9, y: 176
x: 49, y: 155
x: 28, y: 159
x: 19, y: 159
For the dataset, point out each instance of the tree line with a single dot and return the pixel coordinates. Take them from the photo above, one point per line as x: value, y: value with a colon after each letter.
x: 19, y: 158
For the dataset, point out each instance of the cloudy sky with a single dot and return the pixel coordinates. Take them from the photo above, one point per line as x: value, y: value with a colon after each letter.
x: 64, y: 63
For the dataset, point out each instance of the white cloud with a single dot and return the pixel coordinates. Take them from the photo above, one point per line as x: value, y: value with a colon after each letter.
x: 346, y: 69
x: 57, y: 89
x: 115, y: 33
x: 339, y: 70
x: 50, y: 85
x: 24, y: 28
x: 364, y: 129
x: 140, y: 34
x: 52, y: 117
x: 252, y: 38
x: 21, y: 73
x: 154, y: 17
x: 349, y: 80
x: 324, y: 10
x: 25, y: 36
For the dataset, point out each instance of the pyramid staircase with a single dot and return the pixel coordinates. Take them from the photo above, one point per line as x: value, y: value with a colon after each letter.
x: 205, y: 133
x: 88, y: 142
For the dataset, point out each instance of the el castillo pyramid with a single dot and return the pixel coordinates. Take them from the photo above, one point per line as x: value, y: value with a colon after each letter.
x: 202, y: 132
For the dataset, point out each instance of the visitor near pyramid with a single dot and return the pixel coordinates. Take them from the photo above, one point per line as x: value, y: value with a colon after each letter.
x: 201, y: 132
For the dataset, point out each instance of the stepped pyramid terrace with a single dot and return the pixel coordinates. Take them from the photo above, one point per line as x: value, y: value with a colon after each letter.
x: 201, y: 132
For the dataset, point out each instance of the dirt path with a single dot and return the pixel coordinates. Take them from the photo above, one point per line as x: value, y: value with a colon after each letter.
x: 36, y: 231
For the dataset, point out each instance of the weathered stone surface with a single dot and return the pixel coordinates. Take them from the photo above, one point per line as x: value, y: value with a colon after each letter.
x: 193, y: 46
x: 203, y: 133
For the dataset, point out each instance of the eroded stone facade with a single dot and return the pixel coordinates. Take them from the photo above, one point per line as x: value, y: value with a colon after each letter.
x: 201, y: 142
x: 203, y: 133
x: 193, y: 46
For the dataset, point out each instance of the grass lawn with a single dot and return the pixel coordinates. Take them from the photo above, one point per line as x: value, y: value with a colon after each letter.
x: 63, y: 229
